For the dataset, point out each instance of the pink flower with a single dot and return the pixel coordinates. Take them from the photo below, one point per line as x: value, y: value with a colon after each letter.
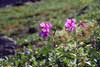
x: 83, y: 25
x: 45, y: 25
x: 70, y: 24
x: 45, y: 29
x: 44, y: 34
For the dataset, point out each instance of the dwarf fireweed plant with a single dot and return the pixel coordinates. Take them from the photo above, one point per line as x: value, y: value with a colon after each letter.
x: 45, y: 28
x: 70, y: 24
x: 71, y: 41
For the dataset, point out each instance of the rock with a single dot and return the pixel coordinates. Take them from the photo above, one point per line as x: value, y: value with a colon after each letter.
x: 4, y: 3
x: 7, y: 46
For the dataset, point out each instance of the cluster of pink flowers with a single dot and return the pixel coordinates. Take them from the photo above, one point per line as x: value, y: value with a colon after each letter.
x: 45, y: 29
x: 70, y: 25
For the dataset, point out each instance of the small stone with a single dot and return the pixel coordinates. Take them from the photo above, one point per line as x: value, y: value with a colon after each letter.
x: 7, y: 46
